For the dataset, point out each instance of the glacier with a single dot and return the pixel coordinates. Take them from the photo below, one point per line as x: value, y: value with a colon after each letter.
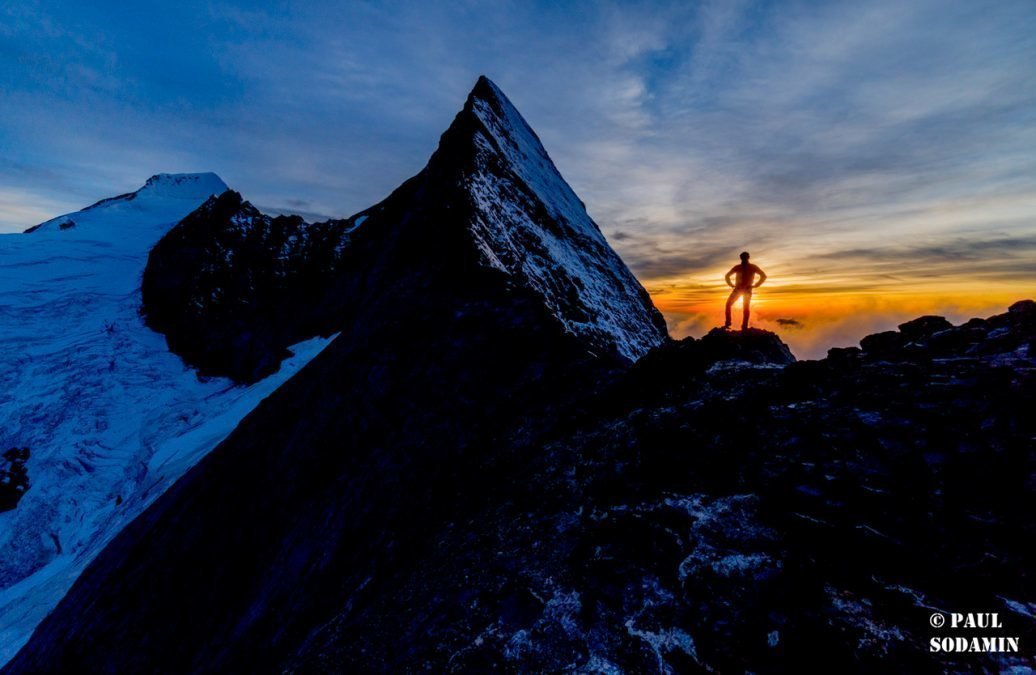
x: 111, y: 417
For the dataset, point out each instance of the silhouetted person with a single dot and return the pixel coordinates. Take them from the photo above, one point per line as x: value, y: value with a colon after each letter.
x: 744, y: 273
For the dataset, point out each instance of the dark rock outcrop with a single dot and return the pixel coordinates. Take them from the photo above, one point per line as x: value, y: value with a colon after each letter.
x: 923, y: 327
x: 232, y: 288
x: 935, y: 337
x: 886, y: 343
x: 14, y: 477
x: 681, y: 365
x: 749, y: 346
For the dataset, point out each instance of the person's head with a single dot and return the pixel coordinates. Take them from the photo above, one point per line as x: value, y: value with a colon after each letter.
x: 744, y: 256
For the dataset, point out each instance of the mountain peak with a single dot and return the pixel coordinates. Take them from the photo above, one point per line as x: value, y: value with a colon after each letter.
x: 512, y: 136
x: 484, y: 86
x: 489, y: 209
x: 528, y: 222
x: 175, y: 193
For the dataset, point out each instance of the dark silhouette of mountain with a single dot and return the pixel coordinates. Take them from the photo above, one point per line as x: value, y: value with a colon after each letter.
x: 233, y: 288
x: 475, y: 476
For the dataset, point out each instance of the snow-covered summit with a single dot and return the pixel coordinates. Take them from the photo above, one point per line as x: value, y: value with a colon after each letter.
x: 110, y: 417
x: 174, y: 193
x: 528, y: 222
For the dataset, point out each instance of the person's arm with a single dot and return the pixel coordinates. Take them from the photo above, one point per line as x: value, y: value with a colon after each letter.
x: 733, y: 270
x: 762, y: 278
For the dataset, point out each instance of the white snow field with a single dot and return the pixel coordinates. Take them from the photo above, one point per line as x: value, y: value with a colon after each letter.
x: 110, y: 416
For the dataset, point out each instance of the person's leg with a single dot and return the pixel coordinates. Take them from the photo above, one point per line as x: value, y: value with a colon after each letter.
x: 746, y: 301
x: 730, y: 301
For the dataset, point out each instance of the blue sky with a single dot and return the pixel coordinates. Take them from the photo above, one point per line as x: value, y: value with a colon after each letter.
x: 824, y: 135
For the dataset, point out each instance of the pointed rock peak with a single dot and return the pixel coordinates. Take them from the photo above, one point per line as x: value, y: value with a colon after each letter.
x: 526, y: 221
x: 484, y: 86
x: 516, y: 141
x: 492, y: 107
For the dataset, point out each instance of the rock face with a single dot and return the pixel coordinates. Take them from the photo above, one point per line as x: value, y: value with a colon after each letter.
x: 14, y: 477
x: 527, y: 222
x: 473, y: 477
x: 232, y: 288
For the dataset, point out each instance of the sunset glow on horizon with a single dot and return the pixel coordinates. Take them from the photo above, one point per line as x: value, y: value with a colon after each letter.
x: 829, y: 287
x: 857, y: 271
x: 815, y: 311
x: 811, y: 322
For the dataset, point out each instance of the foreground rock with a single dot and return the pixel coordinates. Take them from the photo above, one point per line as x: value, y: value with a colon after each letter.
x: 758, y: 517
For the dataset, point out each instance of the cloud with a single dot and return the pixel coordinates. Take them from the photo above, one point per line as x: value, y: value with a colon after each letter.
x: 955, y: 250
x: 789, y: 323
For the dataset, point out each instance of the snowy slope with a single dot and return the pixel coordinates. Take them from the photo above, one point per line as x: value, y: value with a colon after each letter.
x: 529, y: 223
x: 110, y: 416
